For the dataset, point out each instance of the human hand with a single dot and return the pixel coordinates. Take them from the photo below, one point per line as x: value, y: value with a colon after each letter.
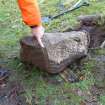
x: 38, y: 33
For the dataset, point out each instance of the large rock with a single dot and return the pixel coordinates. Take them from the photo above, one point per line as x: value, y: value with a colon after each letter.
x: 60, y: 50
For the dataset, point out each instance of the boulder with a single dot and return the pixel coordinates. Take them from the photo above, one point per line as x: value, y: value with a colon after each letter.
x: 60, y: 50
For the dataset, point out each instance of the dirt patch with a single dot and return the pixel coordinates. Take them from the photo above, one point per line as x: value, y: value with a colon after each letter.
x: 11, y: 93
x: 95, y: 26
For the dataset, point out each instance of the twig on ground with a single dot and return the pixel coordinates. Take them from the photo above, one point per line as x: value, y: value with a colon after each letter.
x: 103, y: 44
x: 62, y: 75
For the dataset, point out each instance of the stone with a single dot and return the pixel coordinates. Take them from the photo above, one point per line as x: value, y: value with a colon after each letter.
x: 61, y: 46
x: 60, y: 50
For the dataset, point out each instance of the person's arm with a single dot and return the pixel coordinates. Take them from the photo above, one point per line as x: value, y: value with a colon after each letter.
x: 31, y: 16
x: 30, y: 12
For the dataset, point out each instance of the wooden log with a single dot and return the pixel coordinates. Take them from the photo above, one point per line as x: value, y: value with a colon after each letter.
x: 60, y: 50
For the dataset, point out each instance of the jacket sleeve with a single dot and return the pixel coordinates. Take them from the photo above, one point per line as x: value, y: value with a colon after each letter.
x: 30, y: 12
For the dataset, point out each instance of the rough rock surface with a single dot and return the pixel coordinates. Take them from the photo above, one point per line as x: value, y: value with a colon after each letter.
x: 61, y: 46
x: 60, y: 50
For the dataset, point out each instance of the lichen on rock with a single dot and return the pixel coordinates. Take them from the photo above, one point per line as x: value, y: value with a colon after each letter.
x: 62, y: 46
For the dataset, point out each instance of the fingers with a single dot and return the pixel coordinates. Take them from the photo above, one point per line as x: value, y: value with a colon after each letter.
x: 40, y: 42
x: 38, y: 33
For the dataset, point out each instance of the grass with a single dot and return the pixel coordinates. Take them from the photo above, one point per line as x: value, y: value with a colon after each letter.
x: 12, y: 29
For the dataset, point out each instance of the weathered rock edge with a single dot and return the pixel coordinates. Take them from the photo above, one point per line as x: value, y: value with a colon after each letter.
x: 60, y: 50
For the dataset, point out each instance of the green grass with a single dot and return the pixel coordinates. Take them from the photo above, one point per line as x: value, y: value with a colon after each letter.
x: 12, y: 29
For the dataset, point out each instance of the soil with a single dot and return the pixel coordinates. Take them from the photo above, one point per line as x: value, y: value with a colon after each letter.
x: 11, y: 93
x: 95, y: 26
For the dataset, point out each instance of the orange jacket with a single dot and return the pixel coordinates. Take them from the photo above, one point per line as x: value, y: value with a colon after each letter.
x: 30, y: 12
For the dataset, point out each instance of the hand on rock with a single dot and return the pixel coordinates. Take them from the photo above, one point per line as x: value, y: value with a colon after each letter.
x: 38, y: 33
